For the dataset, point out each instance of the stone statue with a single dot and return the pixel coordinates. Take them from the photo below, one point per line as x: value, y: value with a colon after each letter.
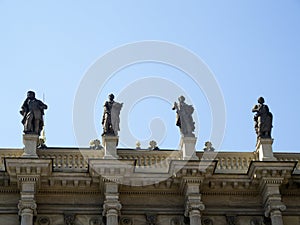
x: 184, y: 117
x: 95, y: 144
x: 138, y: 145
x: 42, y: 139
x: 262, y: 119
x: 32, y: 111
x: 153, y: 145
x: 208, y: 147
x: 111, y: 117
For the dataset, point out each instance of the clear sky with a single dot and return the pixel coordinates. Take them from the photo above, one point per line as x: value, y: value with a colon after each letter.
x: 251, y: 47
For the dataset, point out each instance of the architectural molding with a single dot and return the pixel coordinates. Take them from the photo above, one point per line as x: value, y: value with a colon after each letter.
x: 63, y: 180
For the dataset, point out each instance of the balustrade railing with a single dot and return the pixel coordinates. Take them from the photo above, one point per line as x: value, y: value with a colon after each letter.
x: 76, y: 160
x: 230, y: 162
x: 151, y: 161
x: 70, y: 160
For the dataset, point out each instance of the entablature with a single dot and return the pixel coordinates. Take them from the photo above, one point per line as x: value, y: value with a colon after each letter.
x: 162, y: 170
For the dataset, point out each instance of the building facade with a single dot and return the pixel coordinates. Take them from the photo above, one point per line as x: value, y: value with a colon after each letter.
x: 71, y: 186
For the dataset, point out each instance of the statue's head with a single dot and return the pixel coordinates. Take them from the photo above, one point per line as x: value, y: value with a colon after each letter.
x: 261, y: 100
x: 111, y: 97
x: 181, y: 98
x: 30, y: 94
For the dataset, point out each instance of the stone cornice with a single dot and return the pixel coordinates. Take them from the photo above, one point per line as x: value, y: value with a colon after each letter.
x: 191, y: 172
x: 151, y: 170
x: 69, y: 191
x: 271, y: 169
x: 231, y: 193
x: 224, y: 182
x: 195, y: 168
x: 146, y: 192
x: 68, y: 182
x: 28, y: 170
x: 75, y: 159
x: 109, y: 167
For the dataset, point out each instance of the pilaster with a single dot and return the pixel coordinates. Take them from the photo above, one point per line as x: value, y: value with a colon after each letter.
x: 27, y: 174
x: 112, y: 205
x: 27, y: 209
x: 193, y: 203
x: 270, y: 176
x: 192, y: 176
x: 273, y: 205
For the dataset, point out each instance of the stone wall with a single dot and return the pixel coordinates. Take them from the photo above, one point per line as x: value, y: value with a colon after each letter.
x: 143, y: 187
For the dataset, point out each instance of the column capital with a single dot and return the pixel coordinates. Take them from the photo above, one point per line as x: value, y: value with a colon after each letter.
x: 274, y: 207
x: 193, y: 205
x: 28, y: 170
x: 27, y: 207
x: 111, y: 208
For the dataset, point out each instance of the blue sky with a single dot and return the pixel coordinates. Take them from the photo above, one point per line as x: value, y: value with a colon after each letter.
x: 252, y: 47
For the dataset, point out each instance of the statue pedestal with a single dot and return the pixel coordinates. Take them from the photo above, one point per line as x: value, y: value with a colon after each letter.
x: 30, y: 141
x: 110, y: 147
x: 187, y: 146
x: 264, y: 149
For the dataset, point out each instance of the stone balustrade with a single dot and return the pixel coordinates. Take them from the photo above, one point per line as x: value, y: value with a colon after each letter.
x: 72, y: 159
x: 76, y: 160
x: 149, y: 158
x: 230, y: 162
x: 150, y: 161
